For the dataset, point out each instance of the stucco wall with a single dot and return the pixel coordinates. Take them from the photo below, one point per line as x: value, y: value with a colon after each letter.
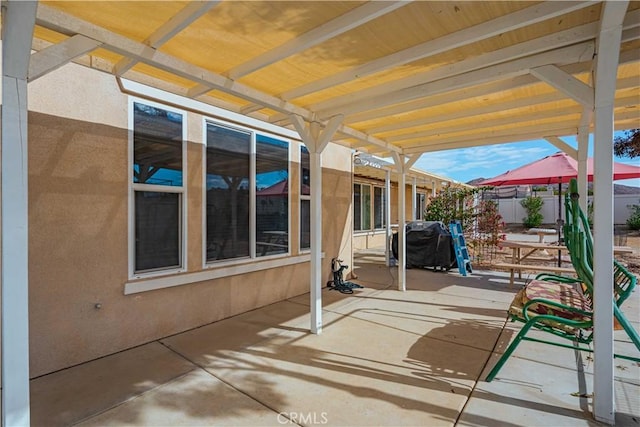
x: 370, y: 239
x: 78, y: 232
x: 407, y: 203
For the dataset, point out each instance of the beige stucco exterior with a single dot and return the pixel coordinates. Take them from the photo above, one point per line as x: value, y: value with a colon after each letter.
x: 78, y: 230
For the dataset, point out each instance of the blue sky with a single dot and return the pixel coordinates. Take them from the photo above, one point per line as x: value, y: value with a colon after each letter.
x: 488, y: 161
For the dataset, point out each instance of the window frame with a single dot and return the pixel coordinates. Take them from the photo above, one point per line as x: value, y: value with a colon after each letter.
x: 303, y: 197
x: 383, y: 198
x: 133, y: 187
x: 206, y: 264
x: 372, y: 228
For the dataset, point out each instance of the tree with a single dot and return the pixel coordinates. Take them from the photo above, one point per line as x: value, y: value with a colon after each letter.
x: 627, y: 145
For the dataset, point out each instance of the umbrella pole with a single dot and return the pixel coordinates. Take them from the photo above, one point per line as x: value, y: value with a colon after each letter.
x: 559, y: 222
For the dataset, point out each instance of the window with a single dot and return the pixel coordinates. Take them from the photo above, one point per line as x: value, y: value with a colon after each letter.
x: 157, y: 187
x: 365, y: 195
x: 272, y: 196
x: 378, y: 207
x: 357, y: 207
x: 368, y: 208
x: 239, y: 201
x: 305, y: 199
x: 227, y: 193
x: 420, y: 205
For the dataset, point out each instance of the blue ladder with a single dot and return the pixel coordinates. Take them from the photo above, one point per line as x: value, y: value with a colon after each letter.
x: 460, y: 248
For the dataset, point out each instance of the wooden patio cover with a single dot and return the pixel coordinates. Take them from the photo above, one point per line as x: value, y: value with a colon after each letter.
x: 406, y: 76
x: 396, y: 78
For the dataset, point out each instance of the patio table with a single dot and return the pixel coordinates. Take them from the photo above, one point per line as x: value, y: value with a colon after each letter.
x: 532, y: 247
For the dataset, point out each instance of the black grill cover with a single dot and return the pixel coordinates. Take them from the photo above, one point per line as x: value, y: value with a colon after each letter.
x: 429, y: 244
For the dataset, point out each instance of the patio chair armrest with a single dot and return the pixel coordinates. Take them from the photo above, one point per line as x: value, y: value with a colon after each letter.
x: 548, y: 277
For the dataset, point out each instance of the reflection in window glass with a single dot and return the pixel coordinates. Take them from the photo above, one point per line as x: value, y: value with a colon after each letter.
x: 357, y: 214
x: 272, y: 196
x: 227, y: 216
x: 305, y: 203
x: 420, y: 205
x: 305, y: 224
x: 378, y: 206
x: 157, y: 146
x: 157, y: 230
x: 305, y: 172
x: 366, y: 207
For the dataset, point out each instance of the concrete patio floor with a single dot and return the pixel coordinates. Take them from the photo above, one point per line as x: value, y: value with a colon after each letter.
x: 385, y: 358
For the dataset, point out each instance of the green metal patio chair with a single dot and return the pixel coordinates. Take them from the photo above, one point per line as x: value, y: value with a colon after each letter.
x: 562, y: 306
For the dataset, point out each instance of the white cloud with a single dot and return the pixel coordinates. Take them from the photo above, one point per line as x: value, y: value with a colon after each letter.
x: 485, y: 161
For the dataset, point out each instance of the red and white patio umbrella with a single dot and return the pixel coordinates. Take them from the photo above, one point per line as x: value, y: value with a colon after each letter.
x: 558, y: 168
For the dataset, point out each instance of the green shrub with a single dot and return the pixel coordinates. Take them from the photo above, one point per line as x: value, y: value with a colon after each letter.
x: 452, y: 204
x: 633, y: 222
x: 533, y: 205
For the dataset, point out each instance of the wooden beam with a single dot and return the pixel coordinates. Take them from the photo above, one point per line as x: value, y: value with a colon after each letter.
x: 483, y: 31
x: 368, y: 139
x: 563, y: 146
x: 473, y: 142
x: 248, y: 109
x: 329, y: 131
x: 561, y: 128
x: 481, y: 123
x: 552, y: 41
x: 441, y: 130
x: 169, y: 29
x: 534, y: 100
x: 626, y: 121
x: 565, y: 83
x: 412, y: 160
x: 49, y: 17
x: 571, y: 54
x: 55, y: 56
x: 626, y: 57
x: 333, y: 28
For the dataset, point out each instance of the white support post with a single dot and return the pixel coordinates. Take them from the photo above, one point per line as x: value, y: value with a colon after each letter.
x: 315, y: 165
x: 414, y: 195
x: 18, y: 20
x: 608, y: 49
x: 316, y: 139
x: 583, y: 152
x: 402, y: 245
x: 387, y: 216
x: 433, y: 189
